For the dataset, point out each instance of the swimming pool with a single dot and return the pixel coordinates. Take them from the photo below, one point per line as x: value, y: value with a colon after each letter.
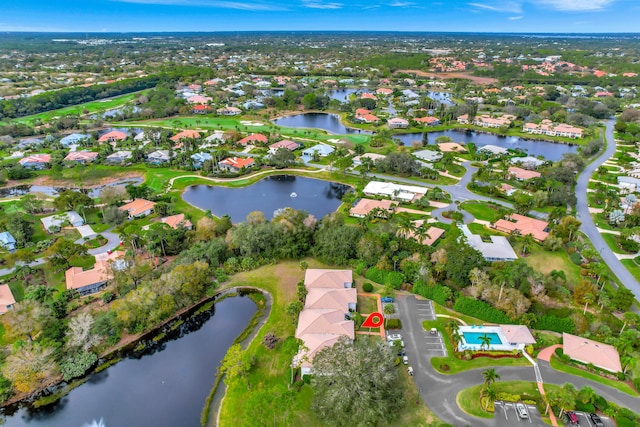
x: 475, y: 337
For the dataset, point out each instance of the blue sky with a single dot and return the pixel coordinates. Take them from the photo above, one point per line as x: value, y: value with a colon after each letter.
x: 579, y: 16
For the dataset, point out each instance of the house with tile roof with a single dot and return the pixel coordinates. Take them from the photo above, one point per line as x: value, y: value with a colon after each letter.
x: 365, y: 206
x: 185, y: 134
x: 7, y: 241
x: 523, y: 225
x: 200, y: 158
x: 87, y: 282
x: 81, y: 157
x: 118, y: 158
x: 398, y: 123
x: 523, y: 174
x: 177, y: 221
x: 235, y: 164
x: 254, y: 138
x: 285, y: 143
x: 433, y: 233
x: 323, y: 150
x: 35, y: 161
x: 229, y: 111
x: 138, y: 208
x: 113, y: 136
x: 7, y: 300
x: 73, y: 139
x: 54, y: 223
x: 427, y: 120
x: 584, y: 350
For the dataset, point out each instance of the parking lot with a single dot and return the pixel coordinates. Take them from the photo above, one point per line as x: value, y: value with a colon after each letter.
x: 584, y: 420
x: 506, y: 416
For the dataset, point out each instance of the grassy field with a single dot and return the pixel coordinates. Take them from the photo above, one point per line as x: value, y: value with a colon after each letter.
x: 632, y: 266
x: 271, y: 369
x: 482, y: 211
x: 77, y: 110
x: 545, y: 261
x: 618, y: 385
x: 612, y: 242
x: 482, y: 230
x: 469, y: 398
x: 367, y: 304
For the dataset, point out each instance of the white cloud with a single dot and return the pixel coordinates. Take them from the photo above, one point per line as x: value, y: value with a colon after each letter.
x: 515, y: 18
x: 250, y: 5
x: 509, y: 6
x: 318, y: 4
x: 402, y: 4
x: 575, y: 5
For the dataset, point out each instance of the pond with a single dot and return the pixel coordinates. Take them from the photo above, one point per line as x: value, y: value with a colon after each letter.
x: 21, y: 190
x: 342, y: 95
x: 329, y: 122
x: 314, y: 196
x: 549, y: 150
x: 165, y: 387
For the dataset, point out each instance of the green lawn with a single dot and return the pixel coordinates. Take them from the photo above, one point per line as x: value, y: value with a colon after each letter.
x: 612, y: 242
x: 632, y: 266
x: 483, y: 211
x: 482, y: 230
x: 618, y: 385
x: 91, y: 107
x: 367, y: 304
x: 545, y: 261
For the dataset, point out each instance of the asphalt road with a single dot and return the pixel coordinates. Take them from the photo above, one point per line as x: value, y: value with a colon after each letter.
x: 589, y: 228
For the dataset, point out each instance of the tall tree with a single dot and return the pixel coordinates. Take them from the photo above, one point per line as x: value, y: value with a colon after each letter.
x: 357, y: 384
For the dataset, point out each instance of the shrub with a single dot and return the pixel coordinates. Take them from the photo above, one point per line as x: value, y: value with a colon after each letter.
x: 394, y: 324
x: 636, y: 383
x: 576, y: 258
x: 107, y: 297
x: 481, y: 310
x: 444, y: 367
x: 307, y: 379
x: 551, y: 322
x: 376, y: 275
x: 507, y: 397
x: 394, y: 279
x: 585, y: 407
x: 438, y: 293
x: 367, y: 287
x: 628, y: 245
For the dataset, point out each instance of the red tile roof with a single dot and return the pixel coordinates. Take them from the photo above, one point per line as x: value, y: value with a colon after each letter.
x: 114, y: 135
x: 238, y: 162
x: 86, y: 156
x: 36, y: 158
x: 185, y: 134
x: 254, y: 138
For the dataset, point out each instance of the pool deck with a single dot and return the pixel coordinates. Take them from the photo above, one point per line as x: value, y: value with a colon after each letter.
x: 478, y: 329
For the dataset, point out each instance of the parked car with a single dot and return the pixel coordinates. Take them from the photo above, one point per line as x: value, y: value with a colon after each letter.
x: 597, y: 422
x: 405, y: 360
x: 522, y: 410
x: 410, y: 371
x: 394, y: 337
x: 572, y: 417
x: 387, y: 299
x: 402, y: 353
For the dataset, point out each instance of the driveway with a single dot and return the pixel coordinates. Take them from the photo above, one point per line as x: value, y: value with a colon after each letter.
x: 589, y: 228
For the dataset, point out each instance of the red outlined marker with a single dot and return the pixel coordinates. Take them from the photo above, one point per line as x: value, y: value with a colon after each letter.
x: 374, y: 320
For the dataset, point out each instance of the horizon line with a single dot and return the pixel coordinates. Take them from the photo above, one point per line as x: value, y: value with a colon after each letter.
x: 3, y: 32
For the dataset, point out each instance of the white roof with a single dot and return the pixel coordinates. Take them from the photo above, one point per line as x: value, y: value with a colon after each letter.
x: 394, y: 190
x: 493, y: 149
x: 529, y: 159
x: 55, y: 221
x: 428, y: 155
x: 498, y: 249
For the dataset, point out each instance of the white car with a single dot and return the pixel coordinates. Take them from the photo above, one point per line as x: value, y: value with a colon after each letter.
x: 522, y: 410
x: 405, y: 360
x: 394, y: 337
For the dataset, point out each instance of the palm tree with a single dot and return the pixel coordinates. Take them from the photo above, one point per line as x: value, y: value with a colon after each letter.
x: 490, y: 376
x: 502, y: 276
x: 588, y: 395
x: 588, y: 299
x: 457, y: 339
x: 421, y: 233
x: 388, y: 310
x: 485, y: 342
x: 630, y: 319
x: 491, y: 396
x: 405, y: 227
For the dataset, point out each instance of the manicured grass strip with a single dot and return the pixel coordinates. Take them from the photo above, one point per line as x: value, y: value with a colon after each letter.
x: 633, y: 268
x: 618, y: 385
x: 611, y: 240
x: 482, y: 211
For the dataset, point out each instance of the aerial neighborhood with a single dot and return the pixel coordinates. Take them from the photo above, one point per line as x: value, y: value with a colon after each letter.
x: 408, y: 229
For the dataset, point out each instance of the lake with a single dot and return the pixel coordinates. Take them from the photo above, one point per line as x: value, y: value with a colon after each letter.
x: 329, y: 122
x: 165, y: 386
x: 342, y: 95
x: 314, y: 196
x: 549, y: 150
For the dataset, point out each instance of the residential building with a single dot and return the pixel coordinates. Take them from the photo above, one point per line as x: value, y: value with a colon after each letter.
x: 113, y: 137
x: 529, y: 162
x: 357, y: 161
x: 584, y: 350
x: 398, y: 123
x: 35, y: 161
x: 365, y: 206
x: 199, y: 99
x: 253, y: 139
x: 229, y: 111
x: 54, y: 223
x: 73, y: 139
x: 201, y: 109
x: 487, y: 121
x: 326, y: 314
x: 628, y: 184
x: 367, y: 118
x: 200, y: 158
x: 235, y: 164
x: 546, y: 127
x: 159, y: 157
x: 322, y: 150
x: 7, y: 241
x: 498, y: 249
x: 523, y: 225
x: 285, y: 143
x: 7, y: 300
x: 87, y: 282
x: 428, y: 120
x: 493, y: 150
x: 447, y: 147
x: 138, y: 208
x: 433, y: 233
x: 517, y: 335
x: 185, y: 134
x: 428, y: 155
x: 463, y: 119
x: 523, y: 174
x: 177, y: 221
x: 118, y: 158
x: 81, y: 157
x: 393, y: 191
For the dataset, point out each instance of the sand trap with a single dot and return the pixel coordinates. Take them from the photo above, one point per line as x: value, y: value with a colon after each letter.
x: 246, y: 123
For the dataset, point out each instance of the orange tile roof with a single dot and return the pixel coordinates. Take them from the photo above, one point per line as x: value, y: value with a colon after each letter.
x: 523, y: 174
x: 238, y: 162
x: 365, y: 206
x: 81, y: 156
x: 190, y: 134
x: 337, y: 299
x: 137, y: 207
x: 524, y: 225
x: 114, y: 135
x: 6, y: 298
x: 433, y: 233
x: 588, y: 351
x: 174, y: 221
x: 327, y: 278
x: 36, y: 158
x: 253, y: 138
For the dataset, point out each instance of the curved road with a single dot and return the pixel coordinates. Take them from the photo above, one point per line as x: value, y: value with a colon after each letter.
x: 588, y: 226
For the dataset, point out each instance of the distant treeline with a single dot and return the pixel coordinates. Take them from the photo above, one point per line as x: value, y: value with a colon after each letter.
x: 48, y: 101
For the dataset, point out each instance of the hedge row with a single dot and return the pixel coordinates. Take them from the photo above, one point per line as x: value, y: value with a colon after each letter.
x: 496, y: 356
x: 438, y: 293
x: 549, y: 322
x: 382, y: 277
x: 481, y: 310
